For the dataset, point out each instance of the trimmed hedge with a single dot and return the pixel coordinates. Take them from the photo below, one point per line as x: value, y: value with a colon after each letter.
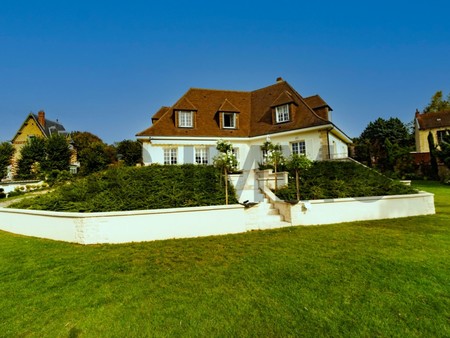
x: 328, y: 179
x: 137, y: 188
x: 159, y: 187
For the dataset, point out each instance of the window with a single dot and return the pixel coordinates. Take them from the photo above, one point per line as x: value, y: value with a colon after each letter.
x: 235, y: 152
x: 282, y: 113
x: 229, y: 120
x: 299, y: 148
x: 201, y: 155
x: 170, y: 155
x: 185, y: 119
x: 440, y: 135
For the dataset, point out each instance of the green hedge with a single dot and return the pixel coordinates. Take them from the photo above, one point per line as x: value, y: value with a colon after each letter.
x: 327, y: 179
x: 131, y: 188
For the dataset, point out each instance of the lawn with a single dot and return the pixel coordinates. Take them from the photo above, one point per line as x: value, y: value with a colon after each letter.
x: 388, y: 278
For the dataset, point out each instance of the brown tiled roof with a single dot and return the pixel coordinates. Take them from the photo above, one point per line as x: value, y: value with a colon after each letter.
x: 227, y: 106
x: 255, y: 112
x: 316, y: 101
x: 184, y: 104
x: 160, y: 113
x: 434, y: 120
x: 284, y: 98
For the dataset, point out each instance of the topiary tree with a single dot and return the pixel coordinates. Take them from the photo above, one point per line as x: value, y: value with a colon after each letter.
x: 298, y: 163
x: 433, y: 160
x: 273, y: 156
x: 225, y: 161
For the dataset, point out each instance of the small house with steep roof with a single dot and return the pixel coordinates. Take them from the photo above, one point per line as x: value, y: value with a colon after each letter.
x: 436, y: 123
x: 37, y: 125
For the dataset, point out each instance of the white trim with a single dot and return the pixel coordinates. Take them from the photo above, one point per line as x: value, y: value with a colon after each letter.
x: 254, y: 138
x: 233, y: 115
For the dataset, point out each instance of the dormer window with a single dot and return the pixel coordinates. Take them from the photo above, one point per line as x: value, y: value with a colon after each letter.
x: 282, y: 113
x: 185, y: 119
x: 229, y: 120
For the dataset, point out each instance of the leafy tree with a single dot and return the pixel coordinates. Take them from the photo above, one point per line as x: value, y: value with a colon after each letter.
x: 130, y: 152
x: 438, y: 103
x: 273, y: 157
x: 225, y: 161
x: 93, y: 154
x: 93, y: 158
x: 381, y: 142
x: 444, y: 152
x: 57, y: 153
x: 298, y: 163
x: 83, y: 139
x: 6, y: 154
x: 32, y: 155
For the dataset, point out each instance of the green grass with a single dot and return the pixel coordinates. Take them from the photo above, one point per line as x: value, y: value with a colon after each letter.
x: 387, y: 278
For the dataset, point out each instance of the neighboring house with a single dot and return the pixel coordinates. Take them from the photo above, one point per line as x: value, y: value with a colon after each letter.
x: 437, y: 123
x: 188, y: 131
x: 36, y: 125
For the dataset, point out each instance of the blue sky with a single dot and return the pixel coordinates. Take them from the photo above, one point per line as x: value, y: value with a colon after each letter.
x: 107, y: 66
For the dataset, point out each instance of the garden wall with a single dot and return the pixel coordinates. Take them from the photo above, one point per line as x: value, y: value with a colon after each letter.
x: 127, y: 226
x: 353, y: 209
x: 148, y: 225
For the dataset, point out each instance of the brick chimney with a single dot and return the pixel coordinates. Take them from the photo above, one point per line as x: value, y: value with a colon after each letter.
x: 41, y: 118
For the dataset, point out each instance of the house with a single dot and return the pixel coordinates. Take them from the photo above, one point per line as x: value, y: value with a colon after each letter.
x: 435, y: 123
x: 37, y: 125
x: 187, y: 131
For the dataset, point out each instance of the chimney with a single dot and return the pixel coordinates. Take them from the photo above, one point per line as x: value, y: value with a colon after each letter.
x: 417, y: 112
x: 41, y: 118
x: 280, y: 79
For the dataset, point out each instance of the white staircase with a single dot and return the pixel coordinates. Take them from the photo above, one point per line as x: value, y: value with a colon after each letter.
x: 265, y: 216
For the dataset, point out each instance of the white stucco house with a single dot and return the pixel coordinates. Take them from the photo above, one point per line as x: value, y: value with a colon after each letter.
x: 187, y: 132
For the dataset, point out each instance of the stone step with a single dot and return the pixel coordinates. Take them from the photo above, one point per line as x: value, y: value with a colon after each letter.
x: 273, y: 211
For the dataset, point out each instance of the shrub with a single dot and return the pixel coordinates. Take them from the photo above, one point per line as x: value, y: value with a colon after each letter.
x: 326, y: 180
x: 136, y: 188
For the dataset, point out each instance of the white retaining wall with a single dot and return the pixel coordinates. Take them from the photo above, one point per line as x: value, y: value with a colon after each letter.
x: 148, y: 225
x: 361, y: 209
x: 123, y: 227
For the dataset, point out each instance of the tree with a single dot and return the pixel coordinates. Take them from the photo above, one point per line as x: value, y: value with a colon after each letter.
x: 225, y: 161
x: 130, y: 152
x: 298, y: 163
x: 57, y: 153
x: 6, y: 154
x: 93, y: 154
x: 83, y: 139
x: 381, y: 141
x: 32, y: 155
x: 94, y: 158
x: 274, y: 157
x: 444, y: 152
x: 438, y: 103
